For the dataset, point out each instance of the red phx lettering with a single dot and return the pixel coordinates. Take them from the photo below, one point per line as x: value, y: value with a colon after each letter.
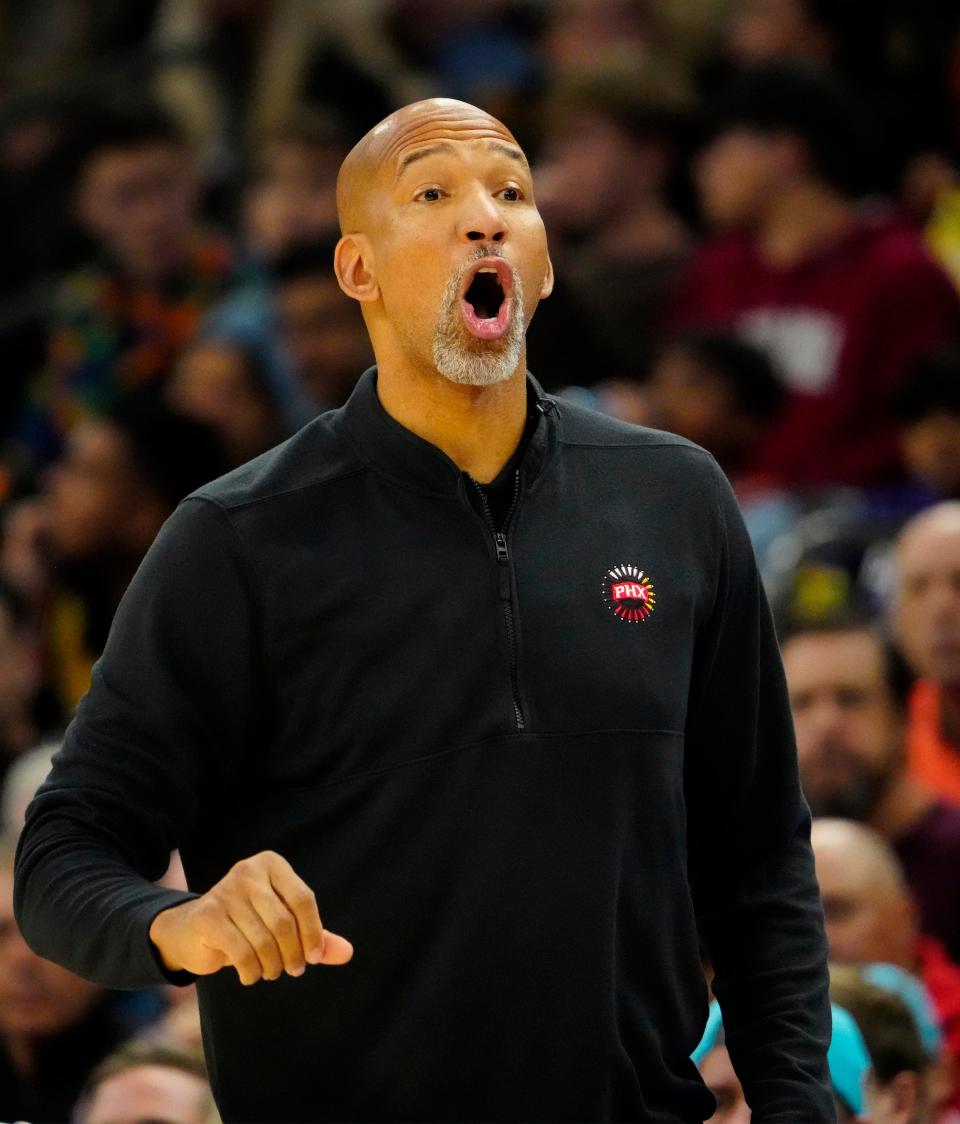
x: 629, y: 591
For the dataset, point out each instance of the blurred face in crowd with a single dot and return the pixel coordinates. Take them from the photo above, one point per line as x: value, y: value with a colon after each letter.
x: 324, y: 334
x: 443, y: 242
x: 931, y: 451
x: 149, y: 1093
x: 294, y: 197
x: 581, y: 34
x: 849, y: 732
x: 927, y: 603
x: 37, y: 998
x: 692, y: 399
x: 582, y: 173
x: 771, y: 30
x: 739, y: 171
x: 718, y: 1075
x: 214, y: 383
x: 140, y: 203
x: 869, y: 916
x: 96, y: 502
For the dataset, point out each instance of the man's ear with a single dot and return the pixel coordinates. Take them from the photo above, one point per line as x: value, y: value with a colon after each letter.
x: 547, y: 287
x: 353, y: 265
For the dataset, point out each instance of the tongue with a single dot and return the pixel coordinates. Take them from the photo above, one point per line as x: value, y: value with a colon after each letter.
x: 486, y: 328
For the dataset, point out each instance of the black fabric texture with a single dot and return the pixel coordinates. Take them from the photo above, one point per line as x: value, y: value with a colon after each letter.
x: 523, y: 807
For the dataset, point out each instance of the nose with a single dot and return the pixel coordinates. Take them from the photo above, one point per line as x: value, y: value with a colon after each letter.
x: 825, y: 719
x: 481, y: 219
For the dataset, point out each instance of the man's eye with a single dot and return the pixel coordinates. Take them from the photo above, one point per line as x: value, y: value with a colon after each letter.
x: 430, y: 194
x: 512, y: 194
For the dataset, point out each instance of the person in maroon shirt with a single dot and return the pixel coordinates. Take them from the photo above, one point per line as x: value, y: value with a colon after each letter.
x: 843, y: 295
x: 849, y: 712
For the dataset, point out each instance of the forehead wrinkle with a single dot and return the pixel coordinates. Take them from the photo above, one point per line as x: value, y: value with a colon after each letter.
x: 442, y: 132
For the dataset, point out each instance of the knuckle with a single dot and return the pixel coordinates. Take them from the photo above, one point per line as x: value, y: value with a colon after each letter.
x: 304, y: 899
x: 265, y: 948
x: 209, y: 911
x: 284, y: 927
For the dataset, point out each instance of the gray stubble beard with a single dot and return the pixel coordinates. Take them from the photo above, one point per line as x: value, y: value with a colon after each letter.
x: 464, y: 359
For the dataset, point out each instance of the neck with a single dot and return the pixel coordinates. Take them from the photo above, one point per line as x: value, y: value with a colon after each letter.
x: 901, y: 806
x: 800, y: 221
x: 950, y: 713
x: 478, y: 427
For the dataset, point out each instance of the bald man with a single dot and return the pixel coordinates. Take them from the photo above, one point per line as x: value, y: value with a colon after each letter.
x: 927, y: 627
x: 486, y: 684
x: 870, y: 917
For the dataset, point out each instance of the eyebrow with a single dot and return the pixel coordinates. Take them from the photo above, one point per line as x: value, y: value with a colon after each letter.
x: 445, y: 146
x: 509, y: 150
x: 420, y: 154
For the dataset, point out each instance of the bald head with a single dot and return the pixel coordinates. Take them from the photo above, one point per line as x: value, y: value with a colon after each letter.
x: 399, y: 140
x: 927, y: 601
x: 867, y: 906
x: 871, y: 862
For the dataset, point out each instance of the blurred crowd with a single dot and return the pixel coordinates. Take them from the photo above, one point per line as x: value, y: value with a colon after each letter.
x: 753, y: 208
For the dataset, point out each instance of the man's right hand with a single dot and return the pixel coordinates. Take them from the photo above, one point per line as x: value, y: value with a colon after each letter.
x: 260, y: 918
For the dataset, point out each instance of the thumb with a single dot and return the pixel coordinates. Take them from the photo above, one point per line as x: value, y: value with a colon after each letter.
x: 336, y: 949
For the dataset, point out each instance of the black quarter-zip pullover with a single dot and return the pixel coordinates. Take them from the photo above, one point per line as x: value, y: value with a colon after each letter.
x: 525, y: 771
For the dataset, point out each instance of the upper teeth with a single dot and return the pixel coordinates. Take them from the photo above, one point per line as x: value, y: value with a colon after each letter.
x: 486, y: 269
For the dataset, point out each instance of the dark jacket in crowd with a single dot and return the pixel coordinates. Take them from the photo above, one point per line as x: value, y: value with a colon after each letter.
x: 524, y: 771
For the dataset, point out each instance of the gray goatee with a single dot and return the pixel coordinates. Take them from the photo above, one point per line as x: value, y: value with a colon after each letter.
x: 462, y: 358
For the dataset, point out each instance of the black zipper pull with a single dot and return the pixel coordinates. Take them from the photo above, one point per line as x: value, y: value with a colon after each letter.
x: 500, y: 542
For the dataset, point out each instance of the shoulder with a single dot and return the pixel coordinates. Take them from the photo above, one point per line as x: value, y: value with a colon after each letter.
x: 894, y: 250
x: 316, y: 456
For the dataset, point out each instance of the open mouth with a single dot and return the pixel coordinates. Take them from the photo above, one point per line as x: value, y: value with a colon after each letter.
x: 485, y: 303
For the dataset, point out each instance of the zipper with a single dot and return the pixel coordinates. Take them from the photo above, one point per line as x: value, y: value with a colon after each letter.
x: 504, y: 585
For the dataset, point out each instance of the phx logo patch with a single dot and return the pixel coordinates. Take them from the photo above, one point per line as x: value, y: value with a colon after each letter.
x: 629, y: 593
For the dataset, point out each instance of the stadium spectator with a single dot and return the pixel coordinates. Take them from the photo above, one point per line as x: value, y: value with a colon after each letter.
x: 610, y: 148
x: 222, y: 384
x: 843, y: 297
x: 21, y: 555
x: 897, y: 1088
x: 825, y: 32
x: 290, y: 201
x: 847, y: 1058
x: 292, y: 194
x: 870, y: 918
x: 119, y: 321
x: 321, y: 330
x: 926, y: 616
x: 928, y: 413
x: 717, y: 390
x: 144, y: 1081
x: 849, y: 710
x: 120, y: 477
x: 54, y: 1026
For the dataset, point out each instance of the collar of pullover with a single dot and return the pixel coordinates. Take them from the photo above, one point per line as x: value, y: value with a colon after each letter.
x: 409, y: 459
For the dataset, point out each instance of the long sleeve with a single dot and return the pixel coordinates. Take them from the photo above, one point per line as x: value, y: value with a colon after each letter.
x: 750, y: 861
x: 166, y: 722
